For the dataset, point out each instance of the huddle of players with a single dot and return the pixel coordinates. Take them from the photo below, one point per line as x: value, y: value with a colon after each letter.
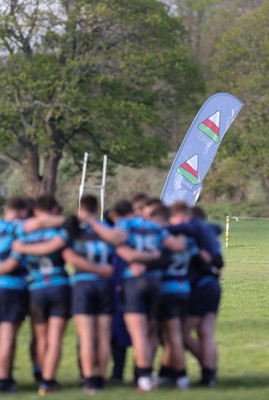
x: 167, y: 263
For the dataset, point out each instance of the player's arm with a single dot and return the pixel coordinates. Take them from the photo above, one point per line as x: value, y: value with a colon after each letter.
x: 175, y: 243
x: 44, y: 222
x: 39, y: 249
x: 9, y: 265
x: 84, y: 265
x: 131, y: 255
x: 114, y: 235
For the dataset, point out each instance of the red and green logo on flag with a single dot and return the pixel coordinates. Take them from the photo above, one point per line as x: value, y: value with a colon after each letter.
x: 189, y: 169
x: 210, y: 126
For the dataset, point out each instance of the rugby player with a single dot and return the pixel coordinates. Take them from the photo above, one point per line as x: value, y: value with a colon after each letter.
x: 92, y: 296
x: 205, y: 291
x: 49, y: 290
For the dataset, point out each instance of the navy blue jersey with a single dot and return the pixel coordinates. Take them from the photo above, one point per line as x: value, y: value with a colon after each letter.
x: 48, y: 270
x: 89, y: 245
x: 143, y: 235
x: 206, y: 236
x: 200, y: 230
x: 9, y: 231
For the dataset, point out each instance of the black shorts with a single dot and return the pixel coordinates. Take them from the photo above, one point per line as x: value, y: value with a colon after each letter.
x: 92, y: 297
x: 13, y: 305
x: 53, y: 301
x: 141, y: 295
x: 171, y: 306
x: 205, y: 298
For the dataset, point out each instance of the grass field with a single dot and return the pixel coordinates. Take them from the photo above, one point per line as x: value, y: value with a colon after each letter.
x: 242, y: 333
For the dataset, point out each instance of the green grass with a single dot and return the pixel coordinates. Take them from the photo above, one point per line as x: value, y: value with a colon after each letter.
x: 242, y: 333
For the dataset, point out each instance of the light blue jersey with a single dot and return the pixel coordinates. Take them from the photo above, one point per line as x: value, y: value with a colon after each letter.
x: 142, y: 235
x: 9, y: 231
x: 90, y: 246
x: 48, y: 270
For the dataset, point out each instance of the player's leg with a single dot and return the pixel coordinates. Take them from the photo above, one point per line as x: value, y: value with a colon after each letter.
x: 137, y: 325
x: 104, y: 310
x: 206, y: 332
x: 174, y: 342
x: 84, y: 315
x: 103, y: 340
x: 173, y: 364
x: 40, y: 331
x: 85, y: 325
x: 12, y: 313
x: 55, y: 332
x: 39, y: 318
x: 58, y: 302
x: 137, y: 304
x: 7, y: 337
x: 192, y: 343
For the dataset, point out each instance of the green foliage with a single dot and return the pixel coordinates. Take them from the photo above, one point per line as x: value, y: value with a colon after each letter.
x: 92, y: 75
x: 240, y: 66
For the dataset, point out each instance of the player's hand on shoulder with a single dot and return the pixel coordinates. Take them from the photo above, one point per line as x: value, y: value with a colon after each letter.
x: 17, y: 246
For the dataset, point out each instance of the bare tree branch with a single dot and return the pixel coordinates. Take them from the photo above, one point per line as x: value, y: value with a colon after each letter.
x: 8, y: 158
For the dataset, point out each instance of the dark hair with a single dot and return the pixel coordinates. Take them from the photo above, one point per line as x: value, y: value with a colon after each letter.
x: 90, y: 203
x: 72, y: 226
x: 199, y: 212
x: 30, y: 205
x: 139, y: 197
x: 153, y: 201
x: 46, y: 202
x: 107, y: 217
x: 180, y: 207
x: 139, y: 200
x: 16, y: 203
x: 123, y: 208
x: 161, y: 211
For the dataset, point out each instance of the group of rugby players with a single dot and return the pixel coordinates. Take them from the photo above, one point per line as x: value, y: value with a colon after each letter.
x: 148, y: 274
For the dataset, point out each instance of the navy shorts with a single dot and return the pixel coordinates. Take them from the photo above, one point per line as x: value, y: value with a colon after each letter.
x: 205, y: 297
x: 13, y: 305
x: 53, y: 301
x: 141, y: 295
x: 171, y: 306
x: 92, y: 297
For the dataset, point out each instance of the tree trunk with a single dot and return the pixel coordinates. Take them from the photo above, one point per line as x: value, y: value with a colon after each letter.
x: 37, y: 184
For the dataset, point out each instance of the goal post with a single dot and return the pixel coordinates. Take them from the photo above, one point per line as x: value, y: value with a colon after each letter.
x: 101, y: 187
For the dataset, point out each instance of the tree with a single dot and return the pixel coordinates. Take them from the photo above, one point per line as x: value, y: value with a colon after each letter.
x: 92, y: 75
x: 205, y: 20
x: 241, y: 66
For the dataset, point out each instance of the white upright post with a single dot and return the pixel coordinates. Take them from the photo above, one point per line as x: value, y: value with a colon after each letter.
x: 103, y: 188
x: 83, y: 177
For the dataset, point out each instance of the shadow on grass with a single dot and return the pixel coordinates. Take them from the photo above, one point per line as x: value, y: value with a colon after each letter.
x: 244, y: 382
x: 224, y: 383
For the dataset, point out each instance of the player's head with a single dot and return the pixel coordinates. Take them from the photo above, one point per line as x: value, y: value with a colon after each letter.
x: 30, y: 203
x: 160, y: 215
x: 123, y: 208
x: 150, y: 205
x: 180, y: 212
x: 199, y: 213
x: 15, y: 208
x: 88, y: 206
x: 46, y: 204
x: 138, y: 202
